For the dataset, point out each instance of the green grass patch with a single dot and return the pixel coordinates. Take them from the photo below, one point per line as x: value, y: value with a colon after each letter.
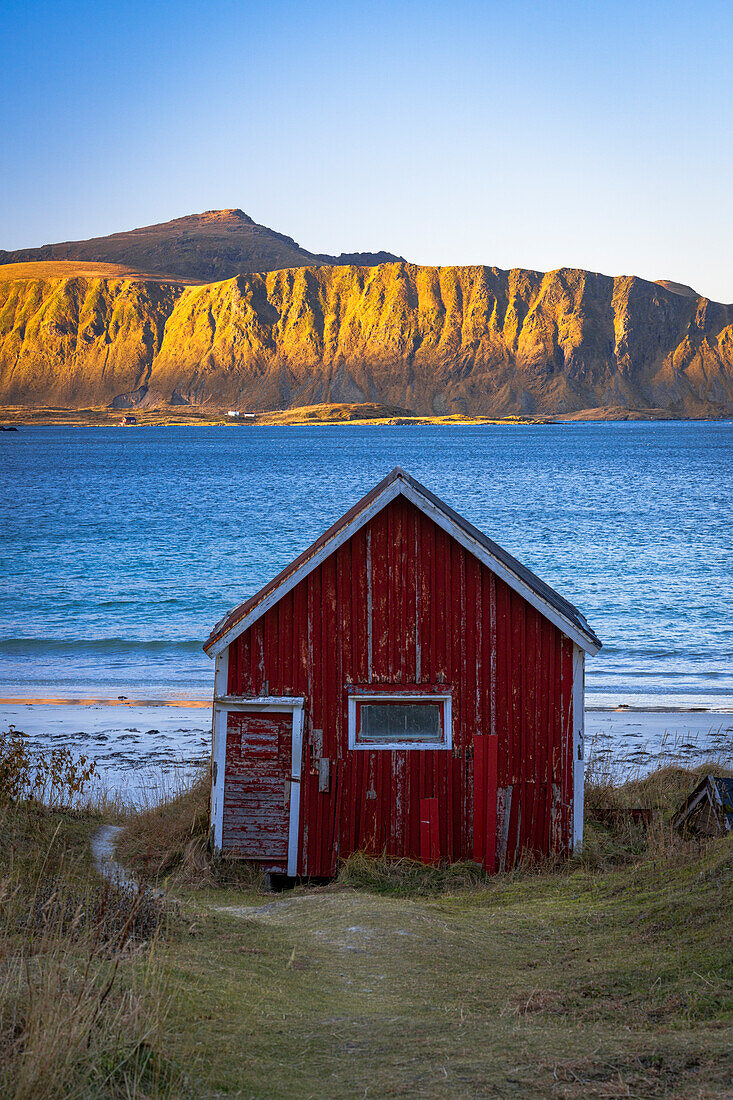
x: 607, y: 975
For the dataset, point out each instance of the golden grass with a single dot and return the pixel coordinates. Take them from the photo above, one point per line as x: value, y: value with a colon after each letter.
x: 376, y: 414
x: 302, y: 416
x: 168, y: 842
x: 85, y: 269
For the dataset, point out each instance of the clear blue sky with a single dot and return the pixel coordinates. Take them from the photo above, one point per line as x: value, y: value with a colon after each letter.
x: 594, y: 134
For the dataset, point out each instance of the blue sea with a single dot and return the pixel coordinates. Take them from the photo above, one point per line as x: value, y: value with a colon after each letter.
x: 122, y: 547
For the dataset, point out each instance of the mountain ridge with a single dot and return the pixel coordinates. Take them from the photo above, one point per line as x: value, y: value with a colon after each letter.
x: 435, y: 340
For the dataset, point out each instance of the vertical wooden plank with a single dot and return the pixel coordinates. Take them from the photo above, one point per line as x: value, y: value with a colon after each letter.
x: 578, y: 717
x: 441, y: 592
x: 504, y: 810
x: 397, y: 839
x: 567, y: 743
x: 427, y: 529
x: 473, y: 656
x: 517, y: 616
x: 380, y: 600
x: 414, y: 793
x: 333, y: 697
x: 357, y: 670
x: 286, y: 654
x: 515, y: 821
x: 542, y: 703
x: 370, y: 604
x: 233, y: 672
x: 393, y: 596
x: 502, y: 693
x: 409, y: 591
x: 409, y: 647
x: 491, y: 755
x: 490, y: 666
x: 301, y: 639
x: 244, y: 682
x: 419, y: 581
x: 270, y: 638
x: 342, y: 654
x: 480, y: 786
x: 530, y: 691
x: 429, y: 831
x: 463, y: 643
x: 550, y: 738
x: 336, y: 799
x: 519, y: 624
x: 258, y: 656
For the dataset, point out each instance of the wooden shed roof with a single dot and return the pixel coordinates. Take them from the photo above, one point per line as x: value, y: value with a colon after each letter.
x: 549, y: 602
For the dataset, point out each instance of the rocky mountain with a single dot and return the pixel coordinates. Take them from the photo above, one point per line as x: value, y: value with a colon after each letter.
x: 453, y: 339
x: 217, y: 244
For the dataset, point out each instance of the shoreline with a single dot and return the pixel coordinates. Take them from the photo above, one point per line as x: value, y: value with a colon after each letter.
x: 124, y: 701
x: 324, y: 415
x: 120, y: 701
x: 139, y: 744
x: 386, y: 422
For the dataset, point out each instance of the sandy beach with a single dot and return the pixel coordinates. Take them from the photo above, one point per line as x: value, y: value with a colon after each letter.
x: 139, y: 744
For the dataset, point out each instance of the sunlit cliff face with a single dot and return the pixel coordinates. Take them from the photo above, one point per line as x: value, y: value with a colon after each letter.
x: 468, y: 339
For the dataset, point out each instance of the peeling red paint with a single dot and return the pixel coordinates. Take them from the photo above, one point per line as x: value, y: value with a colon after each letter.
x: 257, y: 785
x: 403, y: 604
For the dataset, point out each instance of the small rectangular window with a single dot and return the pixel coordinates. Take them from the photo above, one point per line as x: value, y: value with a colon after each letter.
x: 400, y: 721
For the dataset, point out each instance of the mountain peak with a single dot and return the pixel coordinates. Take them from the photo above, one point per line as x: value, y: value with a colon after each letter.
x: 206, y: 247
x: 231, y: 214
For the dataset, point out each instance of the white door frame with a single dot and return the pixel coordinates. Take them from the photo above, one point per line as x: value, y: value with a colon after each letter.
x: 224, y: 705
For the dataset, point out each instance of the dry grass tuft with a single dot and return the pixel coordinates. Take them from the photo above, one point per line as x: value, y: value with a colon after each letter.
x: 82, y: 1003
x: 170, y: 840
x: 409, y: 878
x: 628, y: 820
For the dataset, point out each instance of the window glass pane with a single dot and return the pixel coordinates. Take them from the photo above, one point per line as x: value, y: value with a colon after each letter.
x: 400, y: 722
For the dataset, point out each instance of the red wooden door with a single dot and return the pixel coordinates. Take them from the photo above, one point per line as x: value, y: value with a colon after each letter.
x: 257, y: 785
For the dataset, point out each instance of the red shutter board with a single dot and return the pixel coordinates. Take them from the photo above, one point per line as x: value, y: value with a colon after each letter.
x: 479, y: 798
x: 429, y: 831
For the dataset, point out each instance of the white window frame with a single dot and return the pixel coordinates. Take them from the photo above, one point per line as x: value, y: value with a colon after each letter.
x: 417, y: 697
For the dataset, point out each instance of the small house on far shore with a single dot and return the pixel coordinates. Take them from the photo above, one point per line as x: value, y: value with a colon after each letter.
x: 405, y: 687
x: 129, y: 421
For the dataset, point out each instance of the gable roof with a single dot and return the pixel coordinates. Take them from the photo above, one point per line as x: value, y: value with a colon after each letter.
x: 545, y: 599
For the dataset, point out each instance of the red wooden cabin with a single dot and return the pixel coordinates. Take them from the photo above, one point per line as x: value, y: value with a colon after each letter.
x: 406, y: 687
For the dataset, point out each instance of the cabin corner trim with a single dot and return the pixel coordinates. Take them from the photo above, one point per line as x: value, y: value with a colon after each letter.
x: 578, y: 746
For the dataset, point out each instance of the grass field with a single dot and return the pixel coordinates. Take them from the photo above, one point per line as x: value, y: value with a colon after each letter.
x: 609, y: 976
x: 580, y: 984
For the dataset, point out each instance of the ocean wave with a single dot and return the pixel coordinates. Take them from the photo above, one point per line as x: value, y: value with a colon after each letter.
x: 18, y: 646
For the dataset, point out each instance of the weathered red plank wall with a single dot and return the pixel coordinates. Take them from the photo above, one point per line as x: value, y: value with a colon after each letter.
x: 402, y: 603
